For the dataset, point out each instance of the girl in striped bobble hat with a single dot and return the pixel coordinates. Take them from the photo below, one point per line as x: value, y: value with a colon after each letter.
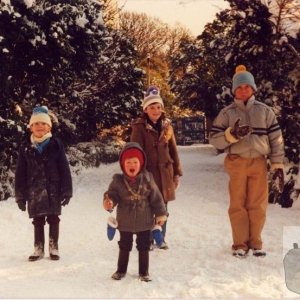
x: 247, y: 130
x: 154, y: 132
x: 43, y: 181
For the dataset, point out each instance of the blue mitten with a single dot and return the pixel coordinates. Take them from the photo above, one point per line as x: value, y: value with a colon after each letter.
x: 112, y: 225
x: 157, y: 235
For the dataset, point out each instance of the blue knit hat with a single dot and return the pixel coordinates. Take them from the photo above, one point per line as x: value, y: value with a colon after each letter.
x: 40, y: 114
x: 242, y: 76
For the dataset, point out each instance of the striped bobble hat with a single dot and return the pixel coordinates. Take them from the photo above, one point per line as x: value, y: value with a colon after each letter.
x: 152, y: 96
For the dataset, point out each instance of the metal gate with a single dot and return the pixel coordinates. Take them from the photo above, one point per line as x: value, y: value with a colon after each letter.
x: 190, y: 130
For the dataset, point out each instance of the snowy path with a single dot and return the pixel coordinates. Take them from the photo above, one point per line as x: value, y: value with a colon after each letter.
x: 197, y: 265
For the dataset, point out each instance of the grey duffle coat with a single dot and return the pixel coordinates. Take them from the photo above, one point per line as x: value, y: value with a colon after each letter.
x: 136, y: 215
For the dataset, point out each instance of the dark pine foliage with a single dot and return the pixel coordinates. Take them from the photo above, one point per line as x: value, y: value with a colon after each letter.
x: 59, y: 53
x: 244, y: 34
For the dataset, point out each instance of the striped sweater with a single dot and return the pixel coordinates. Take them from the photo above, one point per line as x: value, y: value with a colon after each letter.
x: 266, y: 136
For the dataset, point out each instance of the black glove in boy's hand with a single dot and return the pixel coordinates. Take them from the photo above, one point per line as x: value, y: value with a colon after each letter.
x: 22, y: 205
x: 65, y: 201
x: 240, y: 131
x: 278, y: 179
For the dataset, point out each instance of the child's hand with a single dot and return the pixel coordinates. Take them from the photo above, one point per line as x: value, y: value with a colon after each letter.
x: 107, y: 203
x: 65, y: 201
x: 240, y: 131
x: 161, y: 220
x: 176, y: 181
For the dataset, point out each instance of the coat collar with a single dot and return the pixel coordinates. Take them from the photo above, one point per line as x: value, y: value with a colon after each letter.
x: 166, y: 131
x: 240, y: 104
x: 165, y: 122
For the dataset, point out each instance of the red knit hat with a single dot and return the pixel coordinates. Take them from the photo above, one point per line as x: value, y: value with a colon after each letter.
x: 130, y: 153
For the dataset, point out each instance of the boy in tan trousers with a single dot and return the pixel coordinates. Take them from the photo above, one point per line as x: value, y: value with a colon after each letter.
x: 247, y: 147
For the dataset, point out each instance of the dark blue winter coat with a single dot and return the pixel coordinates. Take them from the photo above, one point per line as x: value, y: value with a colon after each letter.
x: 43, y: 180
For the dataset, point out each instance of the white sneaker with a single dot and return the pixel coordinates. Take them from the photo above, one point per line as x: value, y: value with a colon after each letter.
x: 240, y: 253
x: 145, y: 278
x: 164, y: 246
x: 259, y: 252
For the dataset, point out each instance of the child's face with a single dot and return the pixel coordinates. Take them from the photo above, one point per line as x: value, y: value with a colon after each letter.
x: 243, y: 92
x: 39, y: 129
x: 154, y: 111
x: 132, y: 166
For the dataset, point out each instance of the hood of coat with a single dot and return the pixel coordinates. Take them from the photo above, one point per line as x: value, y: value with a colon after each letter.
x: 133, y: 145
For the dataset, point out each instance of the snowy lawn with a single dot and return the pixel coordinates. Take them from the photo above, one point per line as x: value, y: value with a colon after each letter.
x: 198, y: 264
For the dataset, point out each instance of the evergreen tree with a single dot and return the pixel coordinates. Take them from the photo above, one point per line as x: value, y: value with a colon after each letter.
x: 155, y: 41
x: 60, y: 54
x: 115, y: 96
x: 243, y: 34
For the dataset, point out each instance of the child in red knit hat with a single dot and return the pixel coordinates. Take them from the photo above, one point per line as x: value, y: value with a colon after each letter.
x: 139, y: 205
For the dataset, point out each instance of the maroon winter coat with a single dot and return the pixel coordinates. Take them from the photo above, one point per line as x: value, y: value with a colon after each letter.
x: 161, y: 152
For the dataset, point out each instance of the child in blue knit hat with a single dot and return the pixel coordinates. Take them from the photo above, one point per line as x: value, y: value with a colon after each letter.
x: 248, y: 131
x: 43, y: 181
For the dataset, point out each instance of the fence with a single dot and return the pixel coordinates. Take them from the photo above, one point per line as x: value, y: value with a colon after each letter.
x: 190, y: 130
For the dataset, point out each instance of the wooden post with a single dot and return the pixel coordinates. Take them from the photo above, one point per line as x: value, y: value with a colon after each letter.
x: 148, y: 69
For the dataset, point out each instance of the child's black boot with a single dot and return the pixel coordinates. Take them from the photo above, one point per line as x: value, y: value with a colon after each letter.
x: 122, y: 265
x: 39, y: 241
x: 144, y: 266
x: 53, y: 241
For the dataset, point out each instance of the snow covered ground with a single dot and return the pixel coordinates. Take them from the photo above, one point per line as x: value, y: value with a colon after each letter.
x: 198, y: 264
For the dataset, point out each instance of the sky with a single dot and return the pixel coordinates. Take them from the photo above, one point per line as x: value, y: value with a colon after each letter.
x: 197, y: 265
x: 193, y: 14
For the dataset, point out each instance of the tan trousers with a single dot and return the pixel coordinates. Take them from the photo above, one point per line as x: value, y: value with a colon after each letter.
x: 248, y: 189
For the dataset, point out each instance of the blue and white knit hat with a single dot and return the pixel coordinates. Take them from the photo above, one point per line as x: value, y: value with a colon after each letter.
x: 40, y: 114
x: 242, y: 76
x: 152, y: 96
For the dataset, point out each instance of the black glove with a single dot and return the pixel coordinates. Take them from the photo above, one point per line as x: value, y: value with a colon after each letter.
x: 240, y: 131
x: 65, y: 201
x: 278, y: 179
x: 22, y: 205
